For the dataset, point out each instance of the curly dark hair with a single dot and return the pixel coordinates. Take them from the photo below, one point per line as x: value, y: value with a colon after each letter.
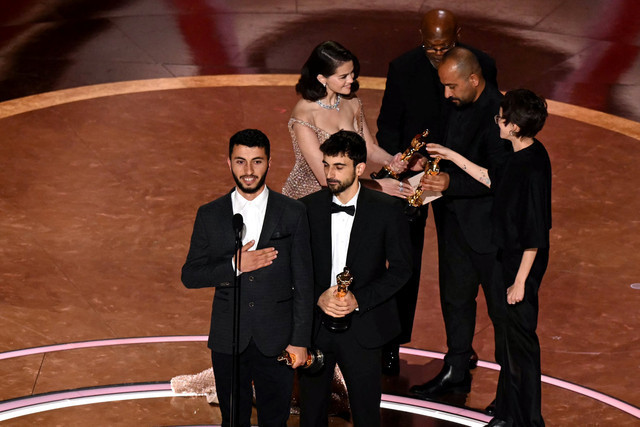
x: 526, y: 110
x: 348, y: 143
x: 325, y: 59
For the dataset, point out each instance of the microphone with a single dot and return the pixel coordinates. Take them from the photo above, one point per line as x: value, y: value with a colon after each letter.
x: 238, y: 223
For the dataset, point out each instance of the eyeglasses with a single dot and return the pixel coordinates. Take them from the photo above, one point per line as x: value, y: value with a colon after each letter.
x: 443, y: 49
x: 497, y: 118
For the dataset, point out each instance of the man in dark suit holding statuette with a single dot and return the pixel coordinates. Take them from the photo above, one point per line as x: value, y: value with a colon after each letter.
x: 365, y: 231
x: 274, y: 269
x: 414, y: 101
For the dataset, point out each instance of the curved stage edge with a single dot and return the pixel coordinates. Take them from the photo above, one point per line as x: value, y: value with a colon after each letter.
x: 55, y: 400
x: 8, y: 108
x: 140, y: 170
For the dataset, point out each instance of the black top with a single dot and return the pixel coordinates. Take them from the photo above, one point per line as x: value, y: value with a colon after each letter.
x: 414, y: 99
x: 472, y: 132
x: 522, y: 206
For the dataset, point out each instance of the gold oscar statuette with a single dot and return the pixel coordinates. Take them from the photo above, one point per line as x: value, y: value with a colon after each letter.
x: 340, y: 324
x: 344, y: 280
x: 431, y: 168
x: 417, y: 143
x: 315, y: 359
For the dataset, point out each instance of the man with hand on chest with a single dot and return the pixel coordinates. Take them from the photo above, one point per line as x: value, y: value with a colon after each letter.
x: 276, y: 307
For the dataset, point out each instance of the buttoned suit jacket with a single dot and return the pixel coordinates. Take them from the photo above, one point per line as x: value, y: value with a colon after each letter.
x: 276, y: 301
x: 379, y: 235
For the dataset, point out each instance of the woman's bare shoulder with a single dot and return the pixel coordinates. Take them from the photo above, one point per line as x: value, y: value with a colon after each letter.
x: 303, y: 108
x: 305, y: 111
x: 353, y: 102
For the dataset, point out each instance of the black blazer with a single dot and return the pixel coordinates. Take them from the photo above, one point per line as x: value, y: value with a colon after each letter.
x: 472, y: 132
x: 414, y: 99
x: 380, y: 233
x: 277, y: 300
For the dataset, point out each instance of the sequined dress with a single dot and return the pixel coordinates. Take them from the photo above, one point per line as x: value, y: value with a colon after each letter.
x: 301, y: 180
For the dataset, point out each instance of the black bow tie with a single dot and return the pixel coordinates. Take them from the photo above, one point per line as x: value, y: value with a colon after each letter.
x: 351, y: 210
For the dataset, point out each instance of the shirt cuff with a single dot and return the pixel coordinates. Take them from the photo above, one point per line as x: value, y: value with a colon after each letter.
x: 233, y: 267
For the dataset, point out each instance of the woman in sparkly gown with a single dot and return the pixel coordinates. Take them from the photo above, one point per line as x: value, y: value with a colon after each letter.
x: 327, y: 84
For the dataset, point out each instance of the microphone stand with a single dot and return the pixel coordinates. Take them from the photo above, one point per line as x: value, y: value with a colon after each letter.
x: 235, y: 365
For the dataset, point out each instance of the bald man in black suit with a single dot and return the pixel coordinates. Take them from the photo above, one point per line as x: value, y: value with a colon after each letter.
x: 414, y: 101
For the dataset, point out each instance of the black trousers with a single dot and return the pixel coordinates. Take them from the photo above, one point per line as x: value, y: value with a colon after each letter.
x: 519, y: 395
x: 407, y: 296
x: 273, y: 383
x: 362, y: 373
x: 462, y: 271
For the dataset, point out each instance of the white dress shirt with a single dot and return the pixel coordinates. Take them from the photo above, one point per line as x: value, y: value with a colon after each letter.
x: 252, y: 212
x: 341, y: 224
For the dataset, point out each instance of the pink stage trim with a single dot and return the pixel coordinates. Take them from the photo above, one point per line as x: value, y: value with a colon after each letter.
x: 124, y: 390
x: 24, y: 402
x: 101, y: 343
x: 616, y: 403
x: 611, y: 401
x: 436, y: 406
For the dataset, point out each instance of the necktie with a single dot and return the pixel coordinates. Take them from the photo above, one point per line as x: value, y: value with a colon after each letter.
x: 351, y: 210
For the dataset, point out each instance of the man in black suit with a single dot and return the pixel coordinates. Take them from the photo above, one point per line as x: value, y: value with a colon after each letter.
x: 276, y: 305
x: 414, y: 101
x: 463, y: 218
x: 365, y: 231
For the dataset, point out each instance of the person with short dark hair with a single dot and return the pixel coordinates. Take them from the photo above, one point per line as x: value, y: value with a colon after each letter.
x: 362, y: 230
x: 414, y: 101
x: 250, y: 138
x: 347, y: 144
x: 521, y: 220
x: 328, y: 84
x: 276, y: 304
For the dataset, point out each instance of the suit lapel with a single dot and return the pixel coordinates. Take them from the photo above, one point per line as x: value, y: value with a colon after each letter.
x: 323, y: 224
x: 360, y: 224
x: 227, y: 219
x: 271, y: 218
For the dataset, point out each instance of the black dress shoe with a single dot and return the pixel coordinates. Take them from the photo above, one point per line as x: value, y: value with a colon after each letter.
x: 391, y: 360
x: 473, y: 360
x: 491, y: 409
x: 444, y: 383
x: 497, y: 422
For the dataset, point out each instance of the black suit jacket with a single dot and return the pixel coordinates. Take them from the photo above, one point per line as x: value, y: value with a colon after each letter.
x: 414, y: 99
x: 277, y: 300
x: 379, y: 235
x: 472, y: 132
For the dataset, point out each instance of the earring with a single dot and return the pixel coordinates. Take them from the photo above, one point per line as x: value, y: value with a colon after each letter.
x: 511, y: 133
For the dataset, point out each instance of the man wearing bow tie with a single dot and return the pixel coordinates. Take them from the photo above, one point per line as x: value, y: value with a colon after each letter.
x: 365, y: 231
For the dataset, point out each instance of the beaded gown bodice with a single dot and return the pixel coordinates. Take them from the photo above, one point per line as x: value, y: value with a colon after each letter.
x: 301, y: 180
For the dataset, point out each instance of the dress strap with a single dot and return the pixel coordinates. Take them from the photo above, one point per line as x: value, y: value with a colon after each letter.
x: 316, y: 129
x: 361, y: 117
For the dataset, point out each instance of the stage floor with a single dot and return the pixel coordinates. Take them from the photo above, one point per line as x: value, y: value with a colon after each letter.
x: 115, y: 129
x: 99, y: 188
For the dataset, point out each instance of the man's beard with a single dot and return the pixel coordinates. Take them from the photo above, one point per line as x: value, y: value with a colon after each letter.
x: 461, y: 105
x: 341, y: 186
x: 246, y: 190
